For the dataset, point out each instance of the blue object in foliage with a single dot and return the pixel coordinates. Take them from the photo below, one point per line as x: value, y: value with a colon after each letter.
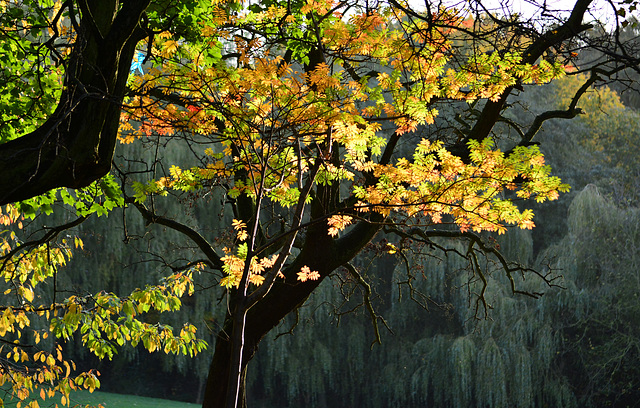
x: 136, y: 65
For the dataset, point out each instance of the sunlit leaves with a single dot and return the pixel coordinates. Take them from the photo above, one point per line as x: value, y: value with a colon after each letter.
x: 437, y: 183
x: 24, y: 267
x: 274, y: 109
x: 49, y: 373
x: 488, y: 75
x: 306, y: 274
x: 99, y: 198
x: 241, y: 229
x: 275, y: 114
x: 234, y: 267
x: 179, y: 179
x: 338, y: 223
x: 105, y: 320
x: 29, y: 80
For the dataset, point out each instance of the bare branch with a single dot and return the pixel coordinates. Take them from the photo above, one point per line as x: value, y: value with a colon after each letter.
x: 189, y: 232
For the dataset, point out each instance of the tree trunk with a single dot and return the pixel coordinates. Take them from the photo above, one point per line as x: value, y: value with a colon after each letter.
x: 321, y: 253
x: 260, y: 320
x: 215, y: 395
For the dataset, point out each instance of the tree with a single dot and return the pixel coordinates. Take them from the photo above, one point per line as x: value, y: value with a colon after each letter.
x: 600, y: 346
x: 314, y: 122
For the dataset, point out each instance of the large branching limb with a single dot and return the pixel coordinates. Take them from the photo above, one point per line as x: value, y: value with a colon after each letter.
x: 367, y: 302
x: 508, y: 267
x: 68, y: 150
x: 572, y: 110
x: 571, y: 28
x: 152, y: 218
x: 543, y: 117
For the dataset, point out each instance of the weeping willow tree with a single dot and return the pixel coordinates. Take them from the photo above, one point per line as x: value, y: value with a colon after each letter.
x: 598, y: 316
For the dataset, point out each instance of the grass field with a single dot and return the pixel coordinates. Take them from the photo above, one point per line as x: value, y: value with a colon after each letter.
x: 109, y: 400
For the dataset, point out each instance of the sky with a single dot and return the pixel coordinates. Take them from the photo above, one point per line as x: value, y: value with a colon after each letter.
x: 532, y: 8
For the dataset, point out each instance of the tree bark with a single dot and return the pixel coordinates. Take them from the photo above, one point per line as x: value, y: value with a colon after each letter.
x: 74, y: 147
x: 260, y: 320
x: 219, y: 371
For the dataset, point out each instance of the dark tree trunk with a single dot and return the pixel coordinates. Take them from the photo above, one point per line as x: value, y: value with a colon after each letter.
x: 321, y: 253
x: 218, y: 379
x: 260, y: 320
x: 259, y: 323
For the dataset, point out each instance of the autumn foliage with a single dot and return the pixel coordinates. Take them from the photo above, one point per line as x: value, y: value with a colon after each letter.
x: 280, y: 119
x: 280, y: 107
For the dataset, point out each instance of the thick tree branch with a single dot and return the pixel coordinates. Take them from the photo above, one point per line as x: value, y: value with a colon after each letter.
x: 572, y: 110
x: 553, y: 37
x: 74, y: 147
x: 189, y: 232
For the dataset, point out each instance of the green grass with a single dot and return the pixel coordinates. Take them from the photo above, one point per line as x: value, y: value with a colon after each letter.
x: 109, y: 400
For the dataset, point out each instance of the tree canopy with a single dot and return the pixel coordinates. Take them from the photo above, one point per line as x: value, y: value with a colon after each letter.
x: 312, y: 128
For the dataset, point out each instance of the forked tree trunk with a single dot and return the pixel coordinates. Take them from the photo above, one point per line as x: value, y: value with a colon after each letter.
x: 320, y: 253
x: 263, y: 317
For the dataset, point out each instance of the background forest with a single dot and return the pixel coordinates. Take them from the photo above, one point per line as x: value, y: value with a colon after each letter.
x: 576, y: 346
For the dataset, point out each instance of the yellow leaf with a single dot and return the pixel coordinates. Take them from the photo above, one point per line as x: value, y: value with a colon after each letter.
x: 28, y: 294
x: 169, y: 47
